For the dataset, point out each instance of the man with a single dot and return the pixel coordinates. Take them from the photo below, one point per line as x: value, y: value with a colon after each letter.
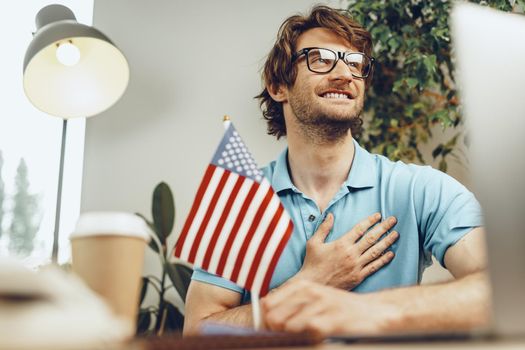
x: 315, y: 80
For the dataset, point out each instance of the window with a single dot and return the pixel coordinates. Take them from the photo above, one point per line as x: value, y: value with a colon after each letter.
x: 30, y: 149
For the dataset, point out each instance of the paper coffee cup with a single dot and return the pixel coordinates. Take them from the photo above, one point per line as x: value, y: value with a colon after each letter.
x: 108, y: 254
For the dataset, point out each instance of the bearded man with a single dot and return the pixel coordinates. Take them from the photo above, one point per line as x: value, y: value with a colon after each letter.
x: 344, y: 269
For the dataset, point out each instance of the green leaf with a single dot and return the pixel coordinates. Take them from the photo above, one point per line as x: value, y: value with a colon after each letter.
x: 442, y: 116
x: 453, y: 141
x: 174, y: 319
x: 180, y: 276
x: 152, y: 243
x: 143, y: 321
x: 394, y: 123
x: 398, y: 85
x: 149, y: 223
x: 446, y: 151
x: 437, y: 151
x: 443, y: 165
x: 430, y: 64
x: 394, y: 44
x: 143, y: 289
x: 163, y: 211
x: 411, y: 82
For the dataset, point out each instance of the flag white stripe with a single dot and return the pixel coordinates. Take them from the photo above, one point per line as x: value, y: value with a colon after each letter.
x: 199, y: 216
x: 254, y: 245
x: 215, y: 217
x: 228, y: 225
x: 270, y: 250
x: 245, y: 226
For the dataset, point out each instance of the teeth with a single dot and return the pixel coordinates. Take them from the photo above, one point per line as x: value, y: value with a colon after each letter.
x: 334, y: 95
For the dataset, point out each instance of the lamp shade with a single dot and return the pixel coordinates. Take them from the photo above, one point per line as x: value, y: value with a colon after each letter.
x: 70, y: 69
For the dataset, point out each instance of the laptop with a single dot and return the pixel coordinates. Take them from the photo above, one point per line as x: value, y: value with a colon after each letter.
x: 490, y: 51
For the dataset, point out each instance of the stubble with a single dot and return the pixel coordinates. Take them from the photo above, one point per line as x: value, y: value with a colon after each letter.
x: 321, y: 124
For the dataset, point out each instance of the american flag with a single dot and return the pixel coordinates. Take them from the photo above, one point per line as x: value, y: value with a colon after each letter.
x: 237, y: 227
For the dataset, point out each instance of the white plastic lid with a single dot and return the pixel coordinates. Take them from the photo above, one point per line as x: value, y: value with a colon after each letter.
x: 111, y: 223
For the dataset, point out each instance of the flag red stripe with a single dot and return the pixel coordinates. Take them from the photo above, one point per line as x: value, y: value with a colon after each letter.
x: 222, y: 220
x: 235, y: 229
x: 249, y: 236
x: 207, y: 216
x: 262, y: 247
x: 194, y: 208
x: 269, y: 273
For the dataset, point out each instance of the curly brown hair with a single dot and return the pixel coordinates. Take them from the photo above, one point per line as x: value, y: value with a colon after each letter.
x: 279, y: 70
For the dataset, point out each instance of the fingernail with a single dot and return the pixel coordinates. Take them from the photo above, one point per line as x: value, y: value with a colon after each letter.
x: 395, y: 234
x: 390, y: 254
x: 392, y: 220
x: 377, y: 216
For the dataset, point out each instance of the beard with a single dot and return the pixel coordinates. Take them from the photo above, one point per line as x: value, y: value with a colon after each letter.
x: 323, y: 124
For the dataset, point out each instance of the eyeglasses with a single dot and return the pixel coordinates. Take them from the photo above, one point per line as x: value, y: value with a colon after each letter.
x: 322, y: 61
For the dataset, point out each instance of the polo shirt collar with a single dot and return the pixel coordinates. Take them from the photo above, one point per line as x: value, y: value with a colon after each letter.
x: 362, y: 174
x: 281, y: 177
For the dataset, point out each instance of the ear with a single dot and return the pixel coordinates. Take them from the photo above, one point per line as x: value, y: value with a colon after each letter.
x: 278, y: 93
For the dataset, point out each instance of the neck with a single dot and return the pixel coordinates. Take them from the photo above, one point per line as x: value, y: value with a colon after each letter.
x: 319, y: 168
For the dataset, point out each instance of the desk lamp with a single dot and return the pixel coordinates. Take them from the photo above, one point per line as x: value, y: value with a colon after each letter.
x: 71, y: 70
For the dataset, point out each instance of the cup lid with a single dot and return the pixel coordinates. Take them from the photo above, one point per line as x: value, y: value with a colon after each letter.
x: 111, y: 223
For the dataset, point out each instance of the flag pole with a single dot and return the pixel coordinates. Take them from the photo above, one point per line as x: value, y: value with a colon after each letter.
x: 226, y: 122
x: 256, y: 307
x: 256, y: 310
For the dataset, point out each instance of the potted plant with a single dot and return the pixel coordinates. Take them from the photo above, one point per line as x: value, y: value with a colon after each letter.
x: 165, y: 316
x: 414, y: 83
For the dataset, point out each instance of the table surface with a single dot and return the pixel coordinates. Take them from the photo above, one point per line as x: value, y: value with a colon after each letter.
x: 449, y: 345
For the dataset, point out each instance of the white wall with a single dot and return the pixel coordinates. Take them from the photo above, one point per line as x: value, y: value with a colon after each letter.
x: 191, y: 63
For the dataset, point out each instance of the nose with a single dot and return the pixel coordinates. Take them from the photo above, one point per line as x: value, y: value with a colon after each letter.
x: 341, y: 72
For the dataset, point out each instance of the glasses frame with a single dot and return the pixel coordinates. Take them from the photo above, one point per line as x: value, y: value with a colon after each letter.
x: 339, y: 55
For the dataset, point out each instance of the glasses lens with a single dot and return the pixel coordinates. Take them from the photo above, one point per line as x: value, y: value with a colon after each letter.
x: 358, y: 63
x: 321, y: 60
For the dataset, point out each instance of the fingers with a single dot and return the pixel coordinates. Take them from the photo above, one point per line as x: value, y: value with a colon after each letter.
x: 359, y: 230
x: 376, y: 264
x: 375, y: 233
x: 301, y: 320
x: 321, y: 323
x: 279, y: 306
x: 324, y: 229
x: 282, y: 294
x: 319, y: 311
x: 277, y: 317
x: 377, y: 250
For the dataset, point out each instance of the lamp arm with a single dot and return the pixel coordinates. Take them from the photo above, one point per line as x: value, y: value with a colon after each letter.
x: 54, y: 254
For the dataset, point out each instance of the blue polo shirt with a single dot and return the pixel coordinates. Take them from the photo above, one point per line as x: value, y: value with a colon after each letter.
x: 433, y: 212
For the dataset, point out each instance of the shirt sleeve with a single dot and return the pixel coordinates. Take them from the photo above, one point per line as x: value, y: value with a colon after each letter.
x: 445, y: 209
x: 206, y: 277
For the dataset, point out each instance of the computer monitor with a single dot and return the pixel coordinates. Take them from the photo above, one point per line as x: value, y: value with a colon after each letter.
x: 490, y: 53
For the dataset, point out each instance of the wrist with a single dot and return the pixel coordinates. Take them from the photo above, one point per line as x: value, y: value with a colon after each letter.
x: 389, y: 315
x: 307, y: 275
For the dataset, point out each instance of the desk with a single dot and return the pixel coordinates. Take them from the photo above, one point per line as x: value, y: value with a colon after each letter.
x: 474, y: 344
x: 505, y: 345
x: 509, y: 345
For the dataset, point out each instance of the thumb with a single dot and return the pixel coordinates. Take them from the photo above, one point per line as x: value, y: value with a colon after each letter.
x: 324, y: 229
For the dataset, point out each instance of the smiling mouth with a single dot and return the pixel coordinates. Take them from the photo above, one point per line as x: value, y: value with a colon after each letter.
x: 337, y: 95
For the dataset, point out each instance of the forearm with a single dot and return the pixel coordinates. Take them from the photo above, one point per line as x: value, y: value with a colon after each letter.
x: 456, y: 305
x: 238, y: 316
x: 207, y: 302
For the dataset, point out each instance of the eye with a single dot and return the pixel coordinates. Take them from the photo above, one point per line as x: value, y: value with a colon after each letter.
x: 355, y: 60
x: 320, y: 57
